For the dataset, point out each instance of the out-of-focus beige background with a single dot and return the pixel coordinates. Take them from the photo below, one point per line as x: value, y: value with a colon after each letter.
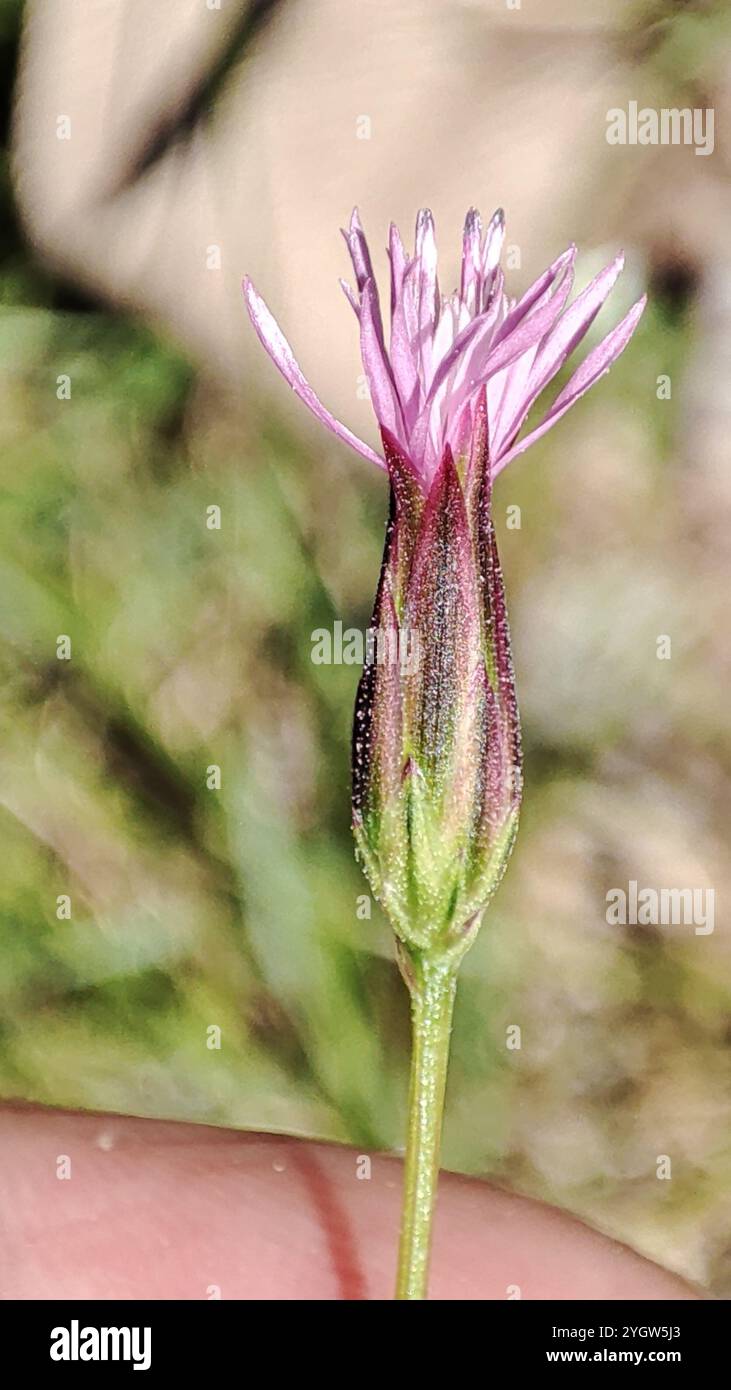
x: 207, y: 142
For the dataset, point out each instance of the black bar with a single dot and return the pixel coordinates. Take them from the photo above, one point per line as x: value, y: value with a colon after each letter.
x: 200, y: 1337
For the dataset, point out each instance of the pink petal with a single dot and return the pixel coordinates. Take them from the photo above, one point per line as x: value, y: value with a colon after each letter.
x: 540, y: 290
x: 485, y: 358
x: 272, y: 338
x: 558, y: 345
x: 351, y: 297
x: 491, y: 253
x: 471, y: 260
x: 362, y: 265
x: 485, y: 354
x: 476, y: 363
x: 479, y: 327
x: 428, y: 294
x: 404, y: 346
x: 397, y: 257
x: 506, y: 394
x: 594, y: 366
x: 601, y: 358
x: 571, y: 328
x: 357, y: 245
x: 377, y: 367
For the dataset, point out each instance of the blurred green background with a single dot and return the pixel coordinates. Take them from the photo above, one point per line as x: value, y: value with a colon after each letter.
x: 190, y: 647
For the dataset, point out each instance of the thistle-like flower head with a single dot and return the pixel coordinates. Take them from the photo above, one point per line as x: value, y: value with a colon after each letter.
x: 442, y: 351
x: 436, y: 742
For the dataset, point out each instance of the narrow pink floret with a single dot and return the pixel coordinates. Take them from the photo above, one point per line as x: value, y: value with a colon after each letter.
x: 443, y: 352
x: 272, y: 338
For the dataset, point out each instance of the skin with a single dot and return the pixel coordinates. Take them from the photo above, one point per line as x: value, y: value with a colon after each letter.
x: 160, y: 1210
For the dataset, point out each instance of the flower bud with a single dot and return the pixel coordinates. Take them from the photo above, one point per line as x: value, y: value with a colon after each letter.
x: 436, y: 741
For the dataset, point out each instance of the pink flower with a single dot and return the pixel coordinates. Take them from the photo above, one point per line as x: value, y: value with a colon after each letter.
x: 437, y: 771
x: 442, y: 351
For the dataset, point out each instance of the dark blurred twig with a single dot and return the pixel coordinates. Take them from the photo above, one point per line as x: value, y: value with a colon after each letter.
x: 171, y: 127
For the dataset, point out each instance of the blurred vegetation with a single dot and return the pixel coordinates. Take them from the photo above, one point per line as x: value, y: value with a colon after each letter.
x: 239, y: 907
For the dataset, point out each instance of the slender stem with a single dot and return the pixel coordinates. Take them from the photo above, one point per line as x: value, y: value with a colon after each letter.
x: 432, y: 1004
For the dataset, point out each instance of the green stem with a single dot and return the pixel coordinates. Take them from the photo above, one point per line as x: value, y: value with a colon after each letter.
x: 432, y: 1003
